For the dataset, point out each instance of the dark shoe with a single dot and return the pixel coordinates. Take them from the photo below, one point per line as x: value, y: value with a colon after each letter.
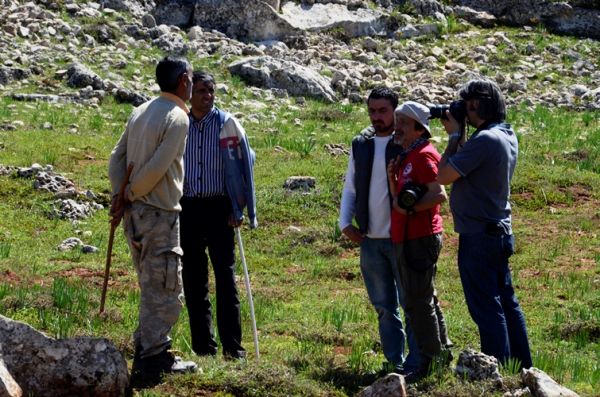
x: 166, y: 362
x: 143, y: 377
x: 442, y: 360
x: 147, y: 372
x: 205, y: 353
x: 234, y: 355
x: 389, y: 368
x: 420, y: 373
x: 415, y: 376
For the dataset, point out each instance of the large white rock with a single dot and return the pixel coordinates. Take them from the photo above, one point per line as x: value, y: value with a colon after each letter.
x: 542, y: 385
x: 319, y: 17
x: 268, y: 72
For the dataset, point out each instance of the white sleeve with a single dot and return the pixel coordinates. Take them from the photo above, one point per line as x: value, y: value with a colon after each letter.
x: 348, y: 204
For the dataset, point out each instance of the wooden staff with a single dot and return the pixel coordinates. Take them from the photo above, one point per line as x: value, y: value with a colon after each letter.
x: 114, y: 222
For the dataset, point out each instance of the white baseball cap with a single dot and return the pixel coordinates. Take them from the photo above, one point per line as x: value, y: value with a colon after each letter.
x: 418, y: 112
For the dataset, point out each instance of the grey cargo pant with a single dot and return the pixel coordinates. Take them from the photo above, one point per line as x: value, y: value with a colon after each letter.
x: 153, y: 237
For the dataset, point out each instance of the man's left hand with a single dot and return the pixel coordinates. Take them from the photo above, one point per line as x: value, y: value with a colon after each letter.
x: 234, y: 222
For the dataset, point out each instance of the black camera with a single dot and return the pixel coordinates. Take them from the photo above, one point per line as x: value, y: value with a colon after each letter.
x: 410, y: 194
x: 458, y: 110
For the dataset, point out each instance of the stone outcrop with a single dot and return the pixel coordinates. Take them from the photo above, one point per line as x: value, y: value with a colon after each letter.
x: 268, y: 72
x: 542, y: 385
x: 79, y: 76
x: 475, y: 365
x: 303, y: 183
x: 323, y: 17
x: 8, y: 385
x: 43, y: 366
x: 10, y: 74
x: 250, y: 20
x: 578, y: 19
x: 392, y: 385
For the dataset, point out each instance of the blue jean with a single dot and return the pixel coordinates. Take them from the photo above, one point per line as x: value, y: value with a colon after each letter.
x: 382, y: 281
x: 487, y: 285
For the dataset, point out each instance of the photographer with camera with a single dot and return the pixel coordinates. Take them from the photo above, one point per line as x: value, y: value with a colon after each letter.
x: 366, y: 198
x: 480, y: 170
x: 417, y: 231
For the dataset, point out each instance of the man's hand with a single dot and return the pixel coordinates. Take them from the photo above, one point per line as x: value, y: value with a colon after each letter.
x: 117, y: 208
x: 234, y: 222
x: 392, y: 172
x: 450, y: 124
x: 353, y: 234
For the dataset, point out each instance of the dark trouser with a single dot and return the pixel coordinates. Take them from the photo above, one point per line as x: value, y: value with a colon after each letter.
x: 487, y: 284
x: 204, y: 224
x: 417, y: 265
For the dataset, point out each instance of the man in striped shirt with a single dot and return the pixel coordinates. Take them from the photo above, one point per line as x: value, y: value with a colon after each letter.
x: 217, y: 168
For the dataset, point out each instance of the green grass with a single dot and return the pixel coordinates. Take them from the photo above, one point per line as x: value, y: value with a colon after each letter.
x: 317, y: 329
x: 318, y: 333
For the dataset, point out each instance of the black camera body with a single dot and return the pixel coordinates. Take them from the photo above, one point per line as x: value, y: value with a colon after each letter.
x: 458, y: 110
x: 410, y: 195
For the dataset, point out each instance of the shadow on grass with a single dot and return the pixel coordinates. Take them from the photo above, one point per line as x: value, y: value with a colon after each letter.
x: 346, y: 379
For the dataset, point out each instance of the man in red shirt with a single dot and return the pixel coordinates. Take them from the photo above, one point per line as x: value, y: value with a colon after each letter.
x: 417, y: 230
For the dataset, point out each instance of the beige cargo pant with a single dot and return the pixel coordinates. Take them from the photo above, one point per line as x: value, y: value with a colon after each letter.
x: 153, y: 237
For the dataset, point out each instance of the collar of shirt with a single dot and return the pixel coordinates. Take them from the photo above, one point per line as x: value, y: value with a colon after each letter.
x: 178, y: 101
x: 207, y: 116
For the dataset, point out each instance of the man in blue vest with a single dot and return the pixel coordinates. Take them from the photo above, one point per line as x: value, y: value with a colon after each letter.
x: 366, y: 198
x: 218, y: 184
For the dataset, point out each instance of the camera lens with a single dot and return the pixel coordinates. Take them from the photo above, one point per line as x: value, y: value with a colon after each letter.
x: 438, y: 111
x: 407, y: 199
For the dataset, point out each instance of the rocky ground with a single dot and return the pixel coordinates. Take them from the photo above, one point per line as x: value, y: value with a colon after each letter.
x: 85, y: 51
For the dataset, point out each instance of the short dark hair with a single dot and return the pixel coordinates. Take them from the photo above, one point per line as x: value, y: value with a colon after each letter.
x: 168, y: 71
x: 491, y: 101
x: 205, y: 77
x: 384, y: 93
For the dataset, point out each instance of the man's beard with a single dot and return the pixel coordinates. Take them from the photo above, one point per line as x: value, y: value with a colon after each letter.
x: 380, y: 127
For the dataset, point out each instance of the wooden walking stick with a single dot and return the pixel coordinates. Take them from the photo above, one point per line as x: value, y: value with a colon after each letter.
x: 114, y: 222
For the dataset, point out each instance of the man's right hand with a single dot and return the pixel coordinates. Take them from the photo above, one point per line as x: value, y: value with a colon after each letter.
x: 353, y: 234
x: 117, y: 209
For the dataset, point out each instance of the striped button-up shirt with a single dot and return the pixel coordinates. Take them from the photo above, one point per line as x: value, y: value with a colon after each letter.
x: 204, y: 172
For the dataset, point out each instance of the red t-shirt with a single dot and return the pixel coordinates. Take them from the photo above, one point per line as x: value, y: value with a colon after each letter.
x: 420, y: 166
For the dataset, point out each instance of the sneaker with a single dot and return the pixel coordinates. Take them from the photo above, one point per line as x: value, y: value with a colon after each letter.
x: 183, y: 367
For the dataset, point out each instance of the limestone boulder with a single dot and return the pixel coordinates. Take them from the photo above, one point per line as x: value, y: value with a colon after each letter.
x: 8, y: 385
x: 392, y: 385
x: 322, y: 17
x: 249, y: 20
x: 298, y: 80
x: 579, y: 19
x: 47, y: 367
x: 543, y: 385
x: 79, y: 76
x: 474, y: 365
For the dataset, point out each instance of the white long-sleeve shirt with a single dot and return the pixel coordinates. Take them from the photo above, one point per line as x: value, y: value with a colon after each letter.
x: 379, y: 205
